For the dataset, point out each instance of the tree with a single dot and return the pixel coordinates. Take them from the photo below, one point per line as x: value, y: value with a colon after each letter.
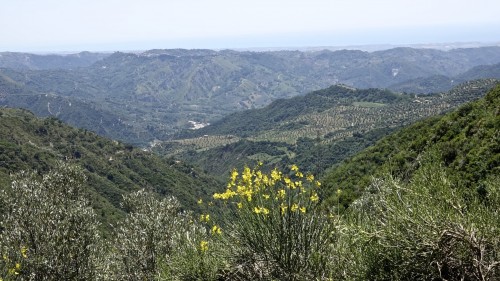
x: 48, y: 231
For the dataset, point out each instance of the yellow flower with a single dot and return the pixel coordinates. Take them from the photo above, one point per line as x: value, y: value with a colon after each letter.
x: 310, y: 177
x: 318, y: 184
x: 289, y: 183
x: 200, y: 201
x: 281, y: 193
x: 266, y: 196
x: 239, y: 205
x: 339, y: 192
x: 294, y: 168
x: 24, y: 251
x: 275, y: 175
x: 247, y: 175
x: 259, y: 210
x: 216, y: 230
x: 234, y: 175
x: 205, y: 218
x: 294, y: 207
x: 5, y: 257
x: 299, y: 174
x: 18, y: 266
x: 203, y: 245
x: 314, y: 197
x: 283, y: 208
x: 224, y: 196
x: 302, y: 209
x: 265, y: 180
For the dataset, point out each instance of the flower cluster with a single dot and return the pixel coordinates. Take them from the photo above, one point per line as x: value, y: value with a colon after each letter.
x: 15, y: 268
x: 262, y: 193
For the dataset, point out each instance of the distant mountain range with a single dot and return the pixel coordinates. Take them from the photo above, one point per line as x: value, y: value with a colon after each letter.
x: 152, y: 95
x: 26, y: 61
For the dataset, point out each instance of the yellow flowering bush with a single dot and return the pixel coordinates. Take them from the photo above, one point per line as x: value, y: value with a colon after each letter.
x: 276, y: 223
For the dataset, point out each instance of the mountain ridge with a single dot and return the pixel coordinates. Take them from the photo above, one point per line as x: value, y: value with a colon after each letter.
x: 156, y: 93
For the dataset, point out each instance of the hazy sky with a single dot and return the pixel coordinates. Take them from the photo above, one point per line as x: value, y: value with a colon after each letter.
x: 97, y: 25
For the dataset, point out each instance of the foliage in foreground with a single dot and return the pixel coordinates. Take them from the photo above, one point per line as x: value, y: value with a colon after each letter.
x: 48, y: 231
x: 157, y: 240
x: 427, y: 229
x: 275, y: 227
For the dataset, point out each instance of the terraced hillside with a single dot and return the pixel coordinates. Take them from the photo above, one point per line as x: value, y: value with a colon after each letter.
x: 315, y: 130
x: 464, y: 143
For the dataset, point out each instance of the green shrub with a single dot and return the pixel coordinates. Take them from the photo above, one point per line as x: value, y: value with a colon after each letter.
x: 275, y: 228
x: 48, y: 231
x: 159, y: 241
x: 428, y: 229
x: 148, y: 234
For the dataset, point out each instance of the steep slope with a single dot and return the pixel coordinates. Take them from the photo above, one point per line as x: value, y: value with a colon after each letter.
x: 84, y: 114
x: 112, y: 168
x: 481, y: 71
x: 157, y: 92
x: 466, y: 142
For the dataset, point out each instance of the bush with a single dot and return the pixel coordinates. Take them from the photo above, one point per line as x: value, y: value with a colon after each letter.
x: 158, y: 241
x: 148, y: 234
x: 428, y: 229
x: 48, y: 231
x: 275, y: 227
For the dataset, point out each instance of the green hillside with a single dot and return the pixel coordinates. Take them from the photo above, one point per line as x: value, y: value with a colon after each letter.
x: 156, y: 93
x: 465, y: 143
x: 73, y: 111
x: 113, y: 169
x: 314, y: 131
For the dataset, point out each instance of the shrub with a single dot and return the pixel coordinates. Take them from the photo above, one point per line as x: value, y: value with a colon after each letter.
x: 428, y: 229
x: 48, y: 231
x: 148, y: 234
x: 159, y: 241
x: 275, y: 227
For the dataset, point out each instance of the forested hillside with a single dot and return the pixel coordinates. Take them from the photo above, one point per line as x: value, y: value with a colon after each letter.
x: 442, y: 83
x: 113, y: 169
x: 465, y: 143
x: 153, y: 94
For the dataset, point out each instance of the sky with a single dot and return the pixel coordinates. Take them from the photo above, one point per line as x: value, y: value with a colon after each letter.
x: 112, y: 25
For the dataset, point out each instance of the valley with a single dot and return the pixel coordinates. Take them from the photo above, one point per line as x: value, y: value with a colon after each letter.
x: 140, y: 97
x: 224, y: 165
x: 315, y: 131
